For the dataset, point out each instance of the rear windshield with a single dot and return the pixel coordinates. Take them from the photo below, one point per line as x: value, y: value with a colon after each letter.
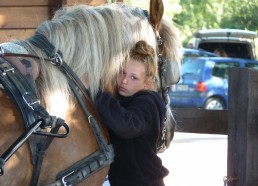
x: 221, y: 69
x: 192, y: 67
x: 235, y: 50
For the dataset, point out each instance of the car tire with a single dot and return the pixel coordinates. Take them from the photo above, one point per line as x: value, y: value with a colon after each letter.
x: 214, y: 104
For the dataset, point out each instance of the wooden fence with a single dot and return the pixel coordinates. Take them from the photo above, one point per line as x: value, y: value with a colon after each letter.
x: 240, y: 122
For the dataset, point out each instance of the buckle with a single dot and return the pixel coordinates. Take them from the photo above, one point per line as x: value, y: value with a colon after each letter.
x: 63, y: 179
x: 30, y: 100
x: 5, y: 70
x: 56, y: 60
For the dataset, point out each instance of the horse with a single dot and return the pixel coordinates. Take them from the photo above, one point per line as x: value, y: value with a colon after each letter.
x: 76, y: 53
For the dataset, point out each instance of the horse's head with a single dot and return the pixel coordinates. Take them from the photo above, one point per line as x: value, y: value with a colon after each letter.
x: 167, y: 35
x: 127, y: 25
x: 168, y: 42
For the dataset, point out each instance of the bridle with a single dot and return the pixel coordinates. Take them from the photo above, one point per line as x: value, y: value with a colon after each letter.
x: 161, y: 59
x: 168, y: 121
x: 80, y: 170
x: 161, y: 67
x: 34, y: 115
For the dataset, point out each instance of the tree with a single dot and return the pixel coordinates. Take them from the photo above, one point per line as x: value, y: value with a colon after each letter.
x: 240, y: 15
x: 198, y: 14
x: 205, y: 14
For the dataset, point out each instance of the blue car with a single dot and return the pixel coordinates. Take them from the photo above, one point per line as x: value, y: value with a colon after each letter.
x: 204, y: 82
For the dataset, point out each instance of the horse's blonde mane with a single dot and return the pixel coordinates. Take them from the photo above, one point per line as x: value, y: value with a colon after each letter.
x: 126, y: 25
x: 94, y: 42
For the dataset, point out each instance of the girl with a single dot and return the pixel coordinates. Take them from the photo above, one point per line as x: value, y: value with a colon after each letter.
x: 134, y: 120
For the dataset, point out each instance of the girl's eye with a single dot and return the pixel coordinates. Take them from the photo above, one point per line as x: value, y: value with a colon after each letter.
x: 133, y: 77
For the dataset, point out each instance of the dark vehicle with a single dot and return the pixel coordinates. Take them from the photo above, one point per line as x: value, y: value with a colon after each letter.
x: 204, y: 82
x: 235, y: 42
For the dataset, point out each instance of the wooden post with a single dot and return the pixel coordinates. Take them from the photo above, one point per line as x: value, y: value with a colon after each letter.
x: 242, y: 167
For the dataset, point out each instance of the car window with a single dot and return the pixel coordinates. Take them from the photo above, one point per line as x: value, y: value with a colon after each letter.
x: 185, y: 59
x: 192, y: 67
x: 221, y: 69
x: 188, y: 56
x: 192, y: 54
x: 252, y: 65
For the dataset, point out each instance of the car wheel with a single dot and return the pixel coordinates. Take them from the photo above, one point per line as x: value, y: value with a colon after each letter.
x: 214, y: 104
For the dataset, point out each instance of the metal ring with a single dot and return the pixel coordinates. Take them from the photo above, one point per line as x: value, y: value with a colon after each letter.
x: 56, y: 59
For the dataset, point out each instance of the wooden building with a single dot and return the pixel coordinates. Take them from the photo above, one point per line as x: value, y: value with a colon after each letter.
x: 20, y: 18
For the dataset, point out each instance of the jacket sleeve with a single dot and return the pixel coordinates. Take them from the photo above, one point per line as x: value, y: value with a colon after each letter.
x: 132, y: 121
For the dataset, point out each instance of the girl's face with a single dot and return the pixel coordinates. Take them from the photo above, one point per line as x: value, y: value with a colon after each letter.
x: 132, y: 79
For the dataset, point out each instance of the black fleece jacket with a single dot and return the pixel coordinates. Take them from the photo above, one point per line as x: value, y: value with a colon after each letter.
x: 134, y: 123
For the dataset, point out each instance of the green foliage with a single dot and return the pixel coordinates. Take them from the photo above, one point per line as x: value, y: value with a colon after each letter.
x: 205, y: 14
x: 193, y: 15
x: 198, y: 14
x: 241, y: 15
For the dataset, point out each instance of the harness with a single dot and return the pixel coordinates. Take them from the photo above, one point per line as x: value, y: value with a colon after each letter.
x: 36, y: 117
x: 167, y: 128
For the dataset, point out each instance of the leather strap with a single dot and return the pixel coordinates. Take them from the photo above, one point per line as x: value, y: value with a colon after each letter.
x: 42, y: 42
x: 18, y: 88
x: 34, y: 115
x: 105, y: 155
x: 84, y: 168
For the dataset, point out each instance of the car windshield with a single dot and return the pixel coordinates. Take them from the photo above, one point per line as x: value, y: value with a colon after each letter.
x: 192, y: 67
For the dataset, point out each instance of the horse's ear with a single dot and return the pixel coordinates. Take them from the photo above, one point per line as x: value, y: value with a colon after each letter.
x: 156, y: 13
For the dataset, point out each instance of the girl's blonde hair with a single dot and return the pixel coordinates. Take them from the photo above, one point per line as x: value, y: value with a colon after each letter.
x: 145, y: 54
